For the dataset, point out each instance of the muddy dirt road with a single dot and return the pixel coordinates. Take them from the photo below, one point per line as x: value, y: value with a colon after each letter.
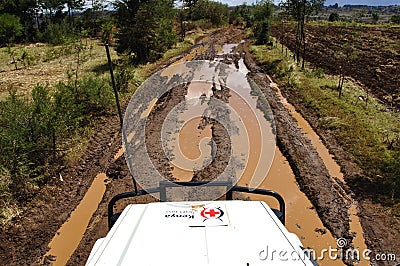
x: 26, y: 242
x: 301, y: 219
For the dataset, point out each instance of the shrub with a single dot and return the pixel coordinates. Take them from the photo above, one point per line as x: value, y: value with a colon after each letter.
x: 30, y: 130
x: 395, y: 19
x: 261, y: 31
x: 10, y: 28
x: 334, y: 17
x: 57, y: 33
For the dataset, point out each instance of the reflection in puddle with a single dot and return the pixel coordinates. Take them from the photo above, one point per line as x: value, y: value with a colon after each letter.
x: 71, y: 232
x: 262, y: 147
x: 228, y: 48
x: 242, y: 66
x: 302, y: 219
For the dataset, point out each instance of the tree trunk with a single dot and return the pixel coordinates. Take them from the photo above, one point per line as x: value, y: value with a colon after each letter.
x: 302, y: 31
x: 298, y: 42
x: 282, y: 36
x: 76, y: 73
x: 304, y: 55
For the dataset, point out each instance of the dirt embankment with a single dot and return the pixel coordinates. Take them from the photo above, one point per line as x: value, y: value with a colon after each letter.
x: 309, y: 169
x: 377, y: 67
x: 374, y: 57
x: 381, y: 229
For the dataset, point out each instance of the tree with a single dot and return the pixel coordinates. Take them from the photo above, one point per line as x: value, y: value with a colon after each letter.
x: 346, y: 56
x: 52, y: 6
x: 73, y: 5
x: 216, y: 13
x: 145, y: 28
x: 10, y: 28
x: 360, y: 14
x: 25, y: 11
x: 262, y: 13
x: 262, y: 32
x: 245, y: 11
x: 334, y: 17
x: 94, y: 20
x: 300, y: 10
x: 189, y: 5
x: 395, y: 19
x: 263, y: 10
x: 375, y: 17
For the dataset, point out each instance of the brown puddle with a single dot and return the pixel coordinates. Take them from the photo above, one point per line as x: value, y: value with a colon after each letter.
x: 191, y: 144
x: 67, y: 238
x: 334, y: 171
x: 119, y: 153
x: 301, y: 218
x: 323, y: 152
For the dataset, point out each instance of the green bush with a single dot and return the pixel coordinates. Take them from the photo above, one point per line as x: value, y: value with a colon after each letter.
x: 95, y: 95
x: 31, y: 129
x: 10, y: 28
x: 92, y: 96
x: 17, y: 142
x: 334, y: 17
x: 395, y: 19
x: 261, y: 31
x: 57, y: 33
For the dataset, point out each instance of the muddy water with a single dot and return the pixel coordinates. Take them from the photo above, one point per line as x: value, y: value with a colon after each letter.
x: 71, y: 232
x: 330, y: 163
x: 301, y: 218
x: 193, y: 143
x: 334, y: 171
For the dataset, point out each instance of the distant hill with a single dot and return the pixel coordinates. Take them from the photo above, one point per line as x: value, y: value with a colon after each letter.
x: 362, y: 2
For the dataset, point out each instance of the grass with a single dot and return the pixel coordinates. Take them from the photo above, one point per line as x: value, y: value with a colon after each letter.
x: 362, y: 127
x: 93, y: 64
x: 50, y: 64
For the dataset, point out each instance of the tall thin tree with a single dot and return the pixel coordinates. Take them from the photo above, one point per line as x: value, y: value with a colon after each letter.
x: 300, y: 10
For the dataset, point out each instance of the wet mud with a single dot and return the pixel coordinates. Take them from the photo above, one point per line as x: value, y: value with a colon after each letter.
x: 27, y: 241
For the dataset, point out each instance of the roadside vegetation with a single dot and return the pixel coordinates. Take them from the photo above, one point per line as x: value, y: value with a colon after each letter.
x: 364, y: 127
x: 42, y: 127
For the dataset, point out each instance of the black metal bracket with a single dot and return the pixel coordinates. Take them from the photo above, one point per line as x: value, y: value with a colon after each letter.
x: 162, y: 189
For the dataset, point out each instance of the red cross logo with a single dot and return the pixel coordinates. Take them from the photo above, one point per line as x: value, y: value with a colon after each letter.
x: 215, y: 213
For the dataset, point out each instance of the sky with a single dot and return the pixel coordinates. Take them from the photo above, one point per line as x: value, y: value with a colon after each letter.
x: 327, y: 2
